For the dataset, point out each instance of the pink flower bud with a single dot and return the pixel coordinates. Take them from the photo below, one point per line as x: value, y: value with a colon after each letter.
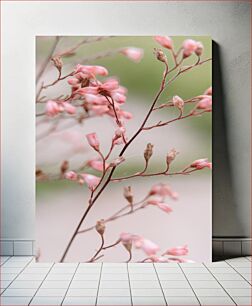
x: 201, y: 164
x: 119, y: 98
x: 178, y: 251
x: 189, y: 46
x: 205, y: 103
x: 208, y: 92
x: 52, y: 108
x: 70, y: 109
x: 91, y: 180
x: 90, y: 71
x: 199, y: 48
x: 93, y: 141
x: 100, y: 227
x: 178, y: 102
x: 117, y: 161
x: 73, y: 81
x: 126, y: 115
x: 158, y: 202
x: 164, y: 41
x: 71, y: 175
x: 135, y: 54
x: 149, y: 247
x: 110, y: 84
x: 97, y: 164
x: 163, y: 190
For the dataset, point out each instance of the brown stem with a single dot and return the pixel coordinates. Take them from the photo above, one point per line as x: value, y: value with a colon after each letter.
x: 45, y: 63
x: 130, y: 256
x: 98, y: 251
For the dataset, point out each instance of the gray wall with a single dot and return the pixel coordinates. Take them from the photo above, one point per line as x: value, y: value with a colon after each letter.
x: 229, y: 25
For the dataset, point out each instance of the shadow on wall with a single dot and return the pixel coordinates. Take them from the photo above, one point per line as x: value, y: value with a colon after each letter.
x: 226, y: 220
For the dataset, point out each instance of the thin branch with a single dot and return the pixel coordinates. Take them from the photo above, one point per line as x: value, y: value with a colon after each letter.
x: 98, y: 251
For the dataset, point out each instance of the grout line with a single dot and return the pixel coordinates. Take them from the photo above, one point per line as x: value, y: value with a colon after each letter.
x: 189, y: 284
x: 239, y: 273
x: 97, y: 293
x: 160, y: 284
x: 129, y: 284
x: 70, y: 283
x: 9, y: 257
x: 16, y: 276
x: 41, y: 283
x: 220, y: 284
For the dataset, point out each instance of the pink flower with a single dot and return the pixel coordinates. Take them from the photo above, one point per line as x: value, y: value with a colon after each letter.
x: 52, y: 108
x: 178, y: 251
x: 189, y: 46
x: 96, y: 100
x: 97, y: 164
x: 91, y: 180
x: 126, y: 237
x: 178, y: 102
x: 70, y: 109
x: 93, y: 141
x: 73, y: 81
x: 164, y: 41
x: 71, y: 175
x: 201, y: 163
x: 199, y: 48
x: 91, y: 71
x: 125, y: 114
x: 205, y: 103
x: 163, y: 190
x: 158, y: 202
x: 149, y: 247
x: 135, y: 54
x: 208, y: 91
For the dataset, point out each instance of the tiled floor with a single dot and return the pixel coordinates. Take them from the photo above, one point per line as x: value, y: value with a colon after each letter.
x: 24, y: 282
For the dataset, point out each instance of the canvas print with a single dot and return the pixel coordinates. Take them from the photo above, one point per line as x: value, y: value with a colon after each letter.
x: 123, y: 149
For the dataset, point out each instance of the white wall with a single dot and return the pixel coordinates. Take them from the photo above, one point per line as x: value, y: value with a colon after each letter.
x: 227, y: 22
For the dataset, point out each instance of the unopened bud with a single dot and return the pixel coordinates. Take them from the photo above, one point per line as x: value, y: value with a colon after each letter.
x: 58, y: 63
x: 160, y: 55
x: 199, y: 48
x: 117, y: 161
x: 178, y: 102
x: 148, y: 152
x: 128, y: 194
x: 127, y: 245
x: 100, y: 227
x: 171, y: 156
x: 64, y: 166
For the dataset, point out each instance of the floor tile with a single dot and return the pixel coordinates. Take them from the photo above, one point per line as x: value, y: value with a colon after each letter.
x: 247, y: 277
x: 36, y: 270
x: 178, y: 292
x: 238, y: 264
x: 114, y: 292
x: 59, y: 276
x: 174, y: 284
x: 146, y: 292
x: 141, y: 271
x: 221, y: 300
x: 247, y: 301
x: 234, y: 284
x: 8, y: 276
x: 217, y: 264
x: 19, y: 292
x: 25, y: 284
x: 9, y: 270
x: 195, y: 270
x: 210, y: 292
x: 82, y: 292
x: 30, y: 276
x: 60, y: 270
x: 40, y: 265
x: 15, y: 300
x: 114, y: 270
x: 239, y: 291
x: 169, y: 270
x: 114, y: 276
x: 148, y: 301
x: 243, y: 270
x: 5, y: 283
x: 66, y: 265
x: 182, y: 301
x: 222, y: 270
x: 51, y: 292
x: 204, y: 284
x: 125, y: 301
x: 191, y: 265
x: 114, y: 284
x: 21, y: 258
x: 233, y: 276
x: 85, y: 276
x: 46, y: 300
x: 91, y: 265
x: 93, y: 270
x: 14, y: 264
x: 144, y: 284
x: 139, y: 276
x: 84, y: 284
x: 79, y: 301
x: 55, y: 284
x: 174, y: 276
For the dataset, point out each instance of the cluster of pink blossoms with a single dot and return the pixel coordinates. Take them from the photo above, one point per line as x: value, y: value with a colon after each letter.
x: 151, y: 249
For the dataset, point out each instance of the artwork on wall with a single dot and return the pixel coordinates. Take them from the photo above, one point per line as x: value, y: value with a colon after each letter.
x: 123, y: 149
